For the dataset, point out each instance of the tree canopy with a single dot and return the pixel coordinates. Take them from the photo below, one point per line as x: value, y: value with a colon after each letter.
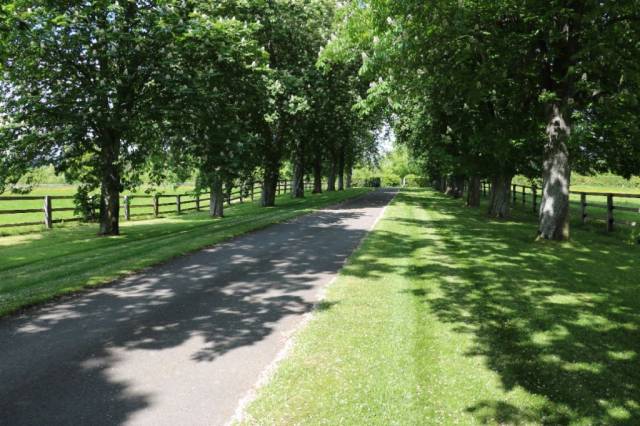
x: 493, y: 89
x: 108, y: 91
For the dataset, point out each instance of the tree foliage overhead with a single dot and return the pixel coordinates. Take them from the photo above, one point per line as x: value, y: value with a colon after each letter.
x: 491, y: 89
x: 106, y: 91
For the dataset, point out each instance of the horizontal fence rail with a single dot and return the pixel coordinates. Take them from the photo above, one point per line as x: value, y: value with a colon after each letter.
x: 132, y: 206
x: 604, y: 202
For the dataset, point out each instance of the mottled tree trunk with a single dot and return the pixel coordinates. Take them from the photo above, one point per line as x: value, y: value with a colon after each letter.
x: 341, y: 170
x: 499, y: 203
x: 457, y: 186
x: 111, y: 186
x: 474, y: 192
x: 216, y: 198
x: 317, y: 174
x: 270, y: 184
x: 556, y: 178
x: 298, y: 179
x: 437, y: 184
x: 349, y: 177
x: 331, y: 184
x: 448, y: 185
x: 297, y: 184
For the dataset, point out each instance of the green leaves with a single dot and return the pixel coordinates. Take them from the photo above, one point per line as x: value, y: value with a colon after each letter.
x: 487, y: 70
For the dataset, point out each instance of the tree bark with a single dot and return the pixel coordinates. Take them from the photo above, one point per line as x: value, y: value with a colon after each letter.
x: 556, y: 177
x: 474, y: 193
x: 297, y: 190
x: 298, y: 179
x: 111, y: 186
x: 331, y: 184
x: 457, y: 186
x: 437, y: 184
x: 270, y: 183
x: 499, y: 204
x: 216, y: 198
x: 317, y: 174
x: 448, y: 186
x: 341, y: 170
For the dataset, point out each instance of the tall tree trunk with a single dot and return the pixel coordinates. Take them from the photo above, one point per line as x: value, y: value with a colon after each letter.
x: 317, y: 174
x: 556, y: 177
x: 437, y: 183
x: 297, y: 190
x: 341, y: 170
x: 474, y: 193
x: 111, y: 186
x: 331, y: 184
x: 270, y: 183
x: 228, y: 190
x: 450, y: 186
x: 216, y: 198
x: 457, y: 186
x: 349, y: 178
x: 499, y: 204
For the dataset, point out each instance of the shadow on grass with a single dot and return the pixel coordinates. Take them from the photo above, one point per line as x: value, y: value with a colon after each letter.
x: 87, y: 360
x: 561, y: 321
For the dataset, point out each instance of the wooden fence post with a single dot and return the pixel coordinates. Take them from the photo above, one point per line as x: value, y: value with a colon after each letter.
x: 285, y: 186
x: 524, y: 195
x: 583, y: 207
x: 127, y: 208
x: 156, y: 208
x: 178, y: 204
x: 534, y: 191
x: 515, y: 193
x: 48, y: 212
x: 198, y: 202
x: 610, y: 207
x: 253, y: 190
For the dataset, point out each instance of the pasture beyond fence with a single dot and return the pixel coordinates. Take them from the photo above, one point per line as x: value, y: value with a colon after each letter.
x: 593, y: 206
x: 61, y: 209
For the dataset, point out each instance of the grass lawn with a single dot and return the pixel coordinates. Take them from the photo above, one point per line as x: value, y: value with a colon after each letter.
x: 38, y: 267
x: 446, y: 317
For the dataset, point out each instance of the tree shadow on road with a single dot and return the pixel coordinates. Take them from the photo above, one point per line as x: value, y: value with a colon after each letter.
x: 203, y: 306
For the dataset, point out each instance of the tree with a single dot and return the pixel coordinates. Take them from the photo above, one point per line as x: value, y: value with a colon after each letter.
x: 292, y: 32
x: 214, y: 91
x: 78, y: 87
x: 497, y: 88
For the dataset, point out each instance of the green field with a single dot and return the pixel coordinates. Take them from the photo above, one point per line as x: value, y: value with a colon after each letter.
x: 37, y: 267
x: 446, y: 317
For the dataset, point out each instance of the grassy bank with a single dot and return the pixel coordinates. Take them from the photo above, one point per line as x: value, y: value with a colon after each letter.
x: 37, y: 267
x: 446, y: 317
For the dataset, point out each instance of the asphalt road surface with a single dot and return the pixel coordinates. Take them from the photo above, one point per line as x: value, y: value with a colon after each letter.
x: 181, y: 343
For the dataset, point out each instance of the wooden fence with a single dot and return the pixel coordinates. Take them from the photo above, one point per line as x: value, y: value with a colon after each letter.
x: 531, y: 195
x: 149, y: 206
